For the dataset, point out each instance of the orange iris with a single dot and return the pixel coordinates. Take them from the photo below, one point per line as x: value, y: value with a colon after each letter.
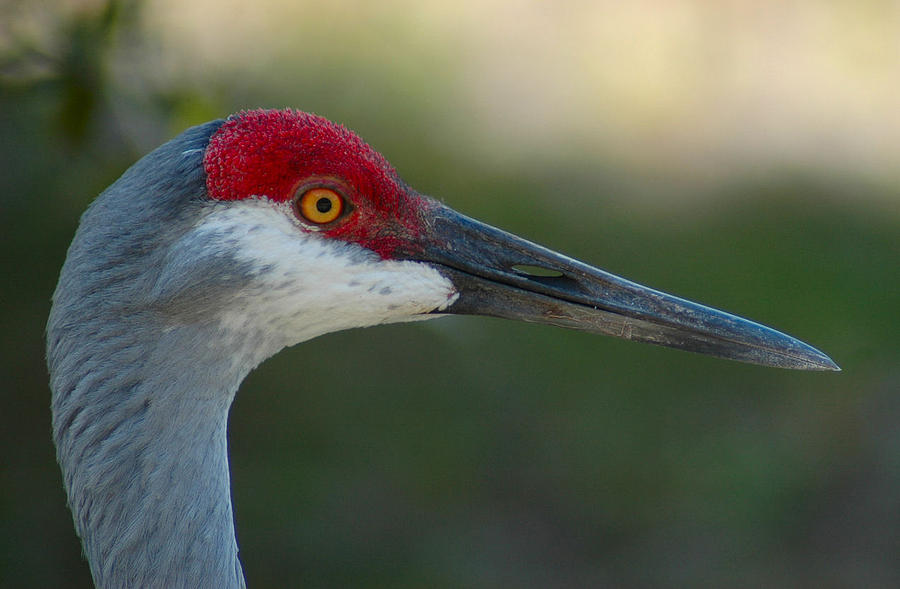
x: 320, y: 205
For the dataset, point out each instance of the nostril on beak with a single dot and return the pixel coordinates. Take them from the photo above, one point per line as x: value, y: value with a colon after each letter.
x: 536, y: 271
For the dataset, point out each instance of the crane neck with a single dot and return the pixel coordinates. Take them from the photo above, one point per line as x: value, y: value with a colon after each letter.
x: 145, y: 460
x: 143, y: 375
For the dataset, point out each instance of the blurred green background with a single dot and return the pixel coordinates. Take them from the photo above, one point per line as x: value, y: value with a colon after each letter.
x: 743, y: 154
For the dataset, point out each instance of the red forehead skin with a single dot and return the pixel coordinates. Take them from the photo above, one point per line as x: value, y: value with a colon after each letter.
x: 271, y: 153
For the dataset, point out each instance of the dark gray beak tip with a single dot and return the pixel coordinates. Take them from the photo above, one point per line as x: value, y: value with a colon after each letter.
x: 821, y: 362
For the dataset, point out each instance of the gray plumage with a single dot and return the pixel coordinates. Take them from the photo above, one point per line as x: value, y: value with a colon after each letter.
x: 143, y: 446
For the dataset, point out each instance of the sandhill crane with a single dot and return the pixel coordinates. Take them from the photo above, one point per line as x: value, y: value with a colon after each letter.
x: 245, y: 235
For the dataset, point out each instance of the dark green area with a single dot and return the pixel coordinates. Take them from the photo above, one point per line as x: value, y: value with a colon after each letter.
x: 480, y: 453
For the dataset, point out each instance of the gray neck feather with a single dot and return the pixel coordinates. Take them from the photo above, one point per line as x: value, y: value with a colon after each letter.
x: 143, y: 377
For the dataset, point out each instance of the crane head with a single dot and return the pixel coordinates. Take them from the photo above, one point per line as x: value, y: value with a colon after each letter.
x: 275, y: 226
x: 387, y: 253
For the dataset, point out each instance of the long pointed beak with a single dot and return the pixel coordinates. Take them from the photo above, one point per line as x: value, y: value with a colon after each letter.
x: 501, y: 275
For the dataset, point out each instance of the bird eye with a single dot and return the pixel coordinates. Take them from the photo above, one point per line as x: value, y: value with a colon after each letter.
x: 320, y: 205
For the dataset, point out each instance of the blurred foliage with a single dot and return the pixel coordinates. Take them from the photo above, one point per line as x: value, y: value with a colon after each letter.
x: 474, y: 452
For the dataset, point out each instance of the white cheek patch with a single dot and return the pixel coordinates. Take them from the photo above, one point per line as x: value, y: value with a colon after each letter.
x: 306, y: 285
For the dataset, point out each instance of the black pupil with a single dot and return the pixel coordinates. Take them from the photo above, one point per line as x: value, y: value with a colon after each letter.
x: 323, y: 205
